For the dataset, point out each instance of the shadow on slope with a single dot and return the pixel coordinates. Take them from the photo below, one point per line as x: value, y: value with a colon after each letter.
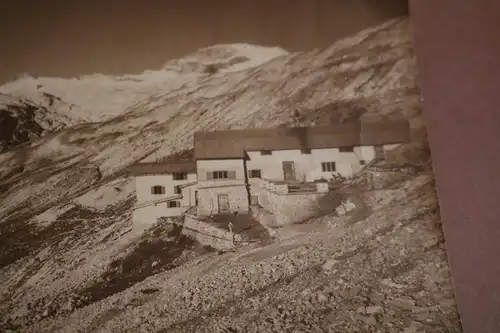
x: 163, y: 248
x: 20, y: 238
x: 18, y: 125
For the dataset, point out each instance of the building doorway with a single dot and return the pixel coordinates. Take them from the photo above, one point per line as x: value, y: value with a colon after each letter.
x: 223, y: 200
x: 289, y: 171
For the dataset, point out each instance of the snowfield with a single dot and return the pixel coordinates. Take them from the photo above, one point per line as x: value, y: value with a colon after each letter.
x: 99, y: 97
x: 71, y: 260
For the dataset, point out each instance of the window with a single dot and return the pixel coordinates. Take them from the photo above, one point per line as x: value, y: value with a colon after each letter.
x: 179, y: 176
x: 173, y: 204
x: 362, y: 162
x: 328, y: 166
x: 220, y: 174
x: 177, y: 189
x: 305, y: 151
x: 346, y: 149
x: 255, y: 173
x: 266, y: 152
x: 158, y: 190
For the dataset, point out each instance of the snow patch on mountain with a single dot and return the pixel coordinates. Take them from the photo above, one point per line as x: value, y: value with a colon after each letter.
x: 108, y: 195
x: 51, y: 215
x: 225, y: 58
x: 98, y: 97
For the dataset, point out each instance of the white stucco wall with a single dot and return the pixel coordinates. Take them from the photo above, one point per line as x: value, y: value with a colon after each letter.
x: 308, y: 166
x: 262, y: 195
x: 147, y: 216
x: 143, y: 186
x: 208, y: 201
x: 204, y: 166
x: 148, y: 212
x: 208, y: 190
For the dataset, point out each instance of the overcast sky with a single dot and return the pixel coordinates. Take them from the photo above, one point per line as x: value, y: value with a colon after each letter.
x: 70, y: 37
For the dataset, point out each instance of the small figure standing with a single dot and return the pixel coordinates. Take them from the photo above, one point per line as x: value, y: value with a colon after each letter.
x: 231, y: 233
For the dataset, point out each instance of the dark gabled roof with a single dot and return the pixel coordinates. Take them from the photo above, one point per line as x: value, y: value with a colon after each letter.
x: 142, y: 169
x: 235, y: 143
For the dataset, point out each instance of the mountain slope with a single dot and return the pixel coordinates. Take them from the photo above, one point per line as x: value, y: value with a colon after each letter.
x: 370, y: 72
x: 98, y: 97
x: 66, y: 202
x: 22, y: 120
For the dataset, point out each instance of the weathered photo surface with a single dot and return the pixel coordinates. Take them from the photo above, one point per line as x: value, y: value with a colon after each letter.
x: 233, y: 167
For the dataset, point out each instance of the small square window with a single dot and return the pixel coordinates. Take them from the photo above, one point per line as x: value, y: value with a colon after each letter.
x: 266, y: 152
x: 173, y: 204
x: 305, y: 151
x: 177, y: 189
x: 328, y: 166
x: 362, y: 162
x: 220, y: 174
x: 255, y: 173
x: 158, y: 190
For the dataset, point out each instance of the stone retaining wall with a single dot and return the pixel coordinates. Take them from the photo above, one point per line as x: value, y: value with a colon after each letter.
x: 265, y: 218
x: 283, y: 209
x: 208, y: 234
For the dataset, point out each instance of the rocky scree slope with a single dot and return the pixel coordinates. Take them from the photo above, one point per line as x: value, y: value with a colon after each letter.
x: 66, y: 202
x: 22, y: 120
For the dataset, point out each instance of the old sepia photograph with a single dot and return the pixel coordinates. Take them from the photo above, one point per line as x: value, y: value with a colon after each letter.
x: 248, y: 166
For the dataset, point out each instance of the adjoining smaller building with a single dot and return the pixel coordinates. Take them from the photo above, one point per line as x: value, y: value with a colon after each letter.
x: 232, y: 170
x: 163, y: 189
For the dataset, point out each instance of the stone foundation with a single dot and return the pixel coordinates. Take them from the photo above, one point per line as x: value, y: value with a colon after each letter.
x: 293, y: 208
x: 147, y: 216
x: 265, y: 218
x: 208, y: 202
x: 208, y: 234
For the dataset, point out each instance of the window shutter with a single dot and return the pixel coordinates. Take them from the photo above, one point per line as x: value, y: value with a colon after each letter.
x: 231, y: 174
x: 152, y: 190
x: 210, y: 176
